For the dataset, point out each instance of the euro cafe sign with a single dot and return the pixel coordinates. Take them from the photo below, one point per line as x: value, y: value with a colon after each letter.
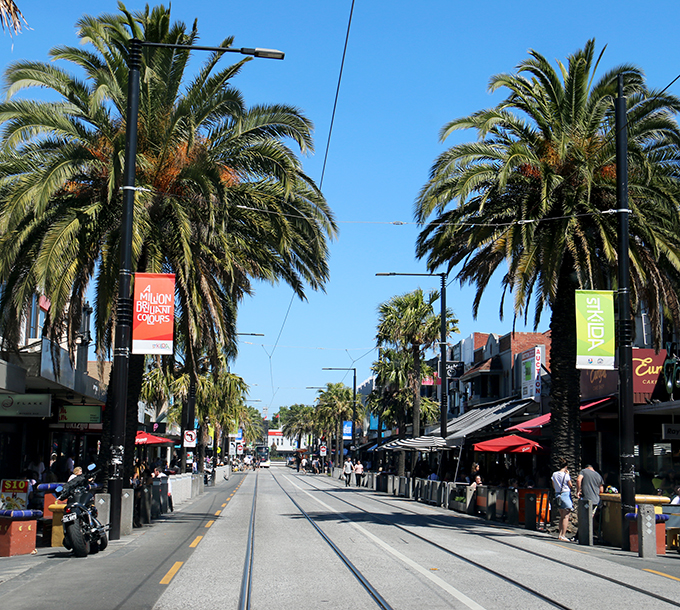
x: 154, y: 313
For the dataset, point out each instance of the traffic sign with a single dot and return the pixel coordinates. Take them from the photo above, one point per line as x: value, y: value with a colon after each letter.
x: 239, y: 449
x: 190, y: 438
x: 322, y: 451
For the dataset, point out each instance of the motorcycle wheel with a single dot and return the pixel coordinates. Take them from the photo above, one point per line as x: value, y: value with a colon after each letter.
x: 81, y: 547
x: 103, y: 541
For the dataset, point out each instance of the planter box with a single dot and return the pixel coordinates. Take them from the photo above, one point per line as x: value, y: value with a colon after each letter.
x: 17, y: 536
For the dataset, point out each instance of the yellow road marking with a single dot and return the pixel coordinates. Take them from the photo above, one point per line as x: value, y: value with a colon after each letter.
x: 661, y: 574
x: 194, y: 544
x: 223, y: 505
x: 171, y: 572
x: 210, y: 523
x: 217, y: 514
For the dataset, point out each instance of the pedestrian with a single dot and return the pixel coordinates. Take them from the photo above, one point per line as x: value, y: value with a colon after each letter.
x: 562, y: 485
x: 347, y: 470
x: 358, y: 472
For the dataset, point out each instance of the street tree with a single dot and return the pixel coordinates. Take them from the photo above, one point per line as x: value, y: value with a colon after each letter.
x: 409, y: 323
x: 535, y: 195
x: 335, y: 406
x: 222, y: 199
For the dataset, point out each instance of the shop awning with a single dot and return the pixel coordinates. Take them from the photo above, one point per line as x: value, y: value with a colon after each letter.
x: 533, y: 426
x: 508, y: 444
x: 145, y: 438
x: 476, y: 419
x: 422, y: 443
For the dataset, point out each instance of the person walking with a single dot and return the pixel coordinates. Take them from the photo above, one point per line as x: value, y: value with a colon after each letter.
x: 347, y: 470
x: 562, y: 485
x: 358, y: 473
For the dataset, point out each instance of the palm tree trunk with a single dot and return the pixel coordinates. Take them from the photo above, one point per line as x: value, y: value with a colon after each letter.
x: 415, y: 386
x: 565, y: 378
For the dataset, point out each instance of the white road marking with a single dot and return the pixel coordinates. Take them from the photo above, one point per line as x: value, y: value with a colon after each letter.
x: 461, y: 597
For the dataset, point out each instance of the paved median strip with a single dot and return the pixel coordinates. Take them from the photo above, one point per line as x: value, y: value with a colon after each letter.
x: 171, y: 572
x: 194, y: 544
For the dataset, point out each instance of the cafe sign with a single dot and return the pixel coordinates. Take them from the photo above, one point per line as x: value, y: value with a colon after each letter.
x: 25, y: 405
x: 80, y: 414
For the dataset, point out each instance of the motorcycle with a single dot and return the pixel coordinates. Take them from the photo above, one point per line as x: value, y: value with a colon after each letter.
x: 83, y: 532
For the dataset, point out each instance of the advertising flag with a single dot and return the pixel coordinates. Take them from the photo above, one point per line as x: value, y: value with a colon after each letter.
x: 595, y: 335
x: 346, y: 430
x: 154, y: 313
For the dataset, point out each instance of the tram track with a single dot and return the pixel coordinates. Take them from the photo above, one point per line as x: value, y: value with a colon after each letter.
x: 246, y: 582
x: 508, y: 579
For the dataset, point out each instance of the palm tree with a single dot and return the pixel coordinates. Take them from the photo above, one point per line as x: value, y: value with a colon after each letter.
x: 334, y: 406
x: 223, y: 197
x: 408, y: 322
x: 536, y: 192
x: 10, y: 16
x: 299, y: 422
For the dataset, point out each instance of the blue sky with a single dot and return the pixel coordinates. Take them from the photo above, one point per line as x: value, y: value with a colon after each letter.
x: 410, y: 68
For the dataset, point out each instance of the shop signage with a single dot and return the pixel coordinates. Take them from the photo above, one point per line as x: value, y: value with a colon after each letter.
x: 596, y: 383
x: 670, y: 432
x: 13, y: 494
x: 25, y: 405
x: 454, y: 369
x: 154, y: 313
x: 78, y: 427
x: 595, y: 343
x: 647, y: 369
x: 80, y: 414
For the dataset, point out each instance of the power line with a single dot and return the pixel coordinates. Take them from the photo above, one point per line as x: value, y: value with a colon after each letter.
x: 337, y: 93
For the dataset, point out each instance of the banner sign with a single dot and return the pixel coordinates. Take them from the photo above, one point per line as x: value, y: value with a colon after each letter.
x: 531, y: 374
x: 25, y: 405
x: 595, y: 336
x: 347, y: 431
x: 670, y: 432
x: 154, y: 313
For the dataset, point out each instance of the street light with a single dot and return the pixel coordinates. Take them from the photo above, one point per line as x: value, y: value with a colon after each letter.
x: 443, y: 418
x: 124, y: 306
x: 354, y: 400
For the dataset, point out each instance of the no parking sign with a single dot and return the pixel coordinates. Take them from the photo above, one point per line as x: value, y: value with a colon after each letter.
x: 322, y: 451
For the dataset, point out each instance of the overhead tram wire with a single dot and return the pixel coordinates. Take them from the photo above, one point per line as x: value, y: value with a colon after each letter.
x: 323, y: 172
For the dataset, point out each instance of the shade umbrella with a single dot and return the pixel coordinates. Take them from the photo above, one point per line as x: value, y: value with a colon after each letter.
x: 508, y: 444
x: 144, y: 438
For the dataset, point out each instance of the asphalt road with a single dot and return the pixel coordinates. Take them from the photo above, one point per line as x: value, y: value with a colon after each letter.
x: 413, y: 555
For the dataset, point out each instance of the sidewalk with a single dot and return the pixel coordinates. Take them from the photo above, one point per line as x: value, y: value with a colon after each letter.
x: 11, y: 567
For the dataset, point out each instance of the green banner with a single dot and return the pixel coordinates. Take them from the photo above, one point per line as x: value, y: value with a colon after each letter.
x: 595, y: 336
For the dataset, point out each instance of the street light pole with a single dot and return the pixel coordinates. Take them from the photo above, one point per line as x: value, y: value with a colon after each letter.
x: 626, y: 426
x: 443, y: 373
x: 123, y: 334
x: 354, y: 401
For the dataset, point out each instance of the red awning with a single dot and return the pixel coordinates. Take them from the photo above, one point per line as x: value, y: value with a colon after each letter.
x: 144, y: 438
x: 534, y: 425
x: 508, y: 444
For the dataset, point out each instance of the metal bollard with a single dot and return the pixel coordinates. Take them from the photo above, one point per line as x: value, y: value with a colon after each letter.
x: 646, y: 526
x: 585, y: 522
x: 530, y: 511
x: 513, y: 507
x: 491, y: 504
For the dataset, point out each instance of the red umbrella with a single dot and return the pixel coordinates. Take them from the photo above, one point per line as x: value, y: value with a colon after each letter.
x: 144, y: 438
x: 508, y: 444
